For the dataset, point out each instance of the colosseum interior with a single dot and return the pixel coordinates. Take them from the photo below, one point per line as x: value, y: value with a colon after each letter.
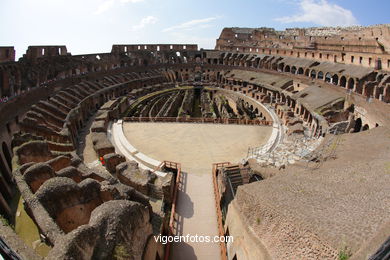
x: 279, y: 139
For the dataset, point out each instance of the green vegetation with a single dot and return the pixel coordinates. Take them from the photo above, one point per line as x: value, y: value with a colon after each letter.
x: 121, y: 253
x: 344, y: 254
x: 6, y: 222
x: 180, y: 111
x: 26, y: 229
x: 223, y: 100
x: 196, y: 105
x: 387, y: 167
x: 258, y: 221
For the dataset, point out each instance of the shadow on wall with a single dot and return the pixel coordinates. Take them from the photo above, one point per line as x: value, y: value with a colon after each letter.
x: 186, y: 208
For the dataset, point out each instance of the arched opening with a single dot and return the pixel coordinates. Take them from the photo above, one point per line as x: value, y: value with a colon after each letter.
x: 313, y: 74
x: 300, y: 71
x: 379, y: 91
x: 320, y: 75
x: 335, y: 79
x: 7, y: 155
x: 287, y: 69
x: 293, y: 70
x: 328, y: 77
x: 280, y: 67
x: 365, y: 127
x: 358, y: 125
x: 4, y: 171
x: 255, y: 177
x: 343, y: 81
x: 351, y: 83
x: 307, y: 72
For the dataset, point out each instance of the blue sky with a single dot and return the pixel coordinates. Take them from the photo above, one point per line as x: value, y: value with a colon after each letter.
x: 88, y: 26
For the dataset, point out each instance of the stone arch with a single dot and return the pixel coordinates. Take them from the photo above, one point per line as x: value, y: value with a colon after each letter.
x: 343, y: 81
x: 365, y: 127
x: 283, y: 97
x: 320, y: 75
x: 287, y: 69
x: 7, y: 154
x: 379, y: 91
x: 300, y: 71
x: 307, y: 72
x: 368, y: 90
x: 313, y: 74
x: 351, y: 83
x: 386, y: 93
x: 335, y: 79
x: 281, y: 66
x: 328, y: 77
x: 293, y: 70
x: 358, y: 125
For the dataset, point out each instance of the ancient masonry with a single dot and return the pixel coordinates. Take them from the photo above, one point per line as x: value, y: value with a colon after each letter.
x: 319, y: 188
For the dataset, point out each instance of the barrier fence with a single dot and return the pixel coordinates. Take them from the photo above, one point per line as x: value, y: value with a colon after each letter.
x: 171, y: 231
x: 199, y: 120
x: 217, y: 196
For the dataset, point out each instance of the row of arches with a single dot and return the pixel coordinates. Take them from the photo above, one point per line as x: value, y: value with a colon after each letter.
x: 276, y: 97
x: 367, y: 86
x: 335, y: 79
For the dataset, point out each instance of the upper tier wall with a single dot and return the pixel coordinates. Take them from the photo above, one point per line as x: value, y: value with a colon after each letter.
x: 153, y: 47
x: 363, y: 46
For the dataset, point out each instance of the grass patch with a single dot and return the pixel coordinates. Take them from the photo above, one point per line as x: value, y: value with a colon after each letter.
x: 121, y: 253
x: 26, y: 229
x: 387, y: 167
x: 344, y: 254
x: 6, y: 222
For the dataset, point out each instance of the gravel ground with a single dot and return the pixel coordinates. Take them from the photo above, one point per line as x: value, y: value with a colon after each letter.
x: 316, y: 213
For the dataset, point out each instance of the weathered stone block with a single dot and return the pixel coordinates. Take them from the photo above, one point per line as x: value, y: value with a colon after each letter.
x: 112, y: 160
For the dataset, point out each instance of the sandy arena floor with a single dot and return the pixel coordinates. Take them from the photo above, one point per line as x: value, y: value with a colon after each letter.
x: 195, y: 146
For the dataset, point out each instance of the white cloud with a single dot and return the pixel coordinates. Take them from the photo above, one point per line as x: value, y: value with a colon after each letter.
x: 104, y: 6
x: 107, y: 4
x: 191, y: 24
x: 321, y: 12
x: 144, y: 22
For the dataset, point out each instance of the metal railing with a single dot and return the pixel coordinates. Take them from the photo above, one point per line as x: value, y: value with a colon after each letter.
x: 171, y: 231
x: 199, y: 120
x: 217, y: 196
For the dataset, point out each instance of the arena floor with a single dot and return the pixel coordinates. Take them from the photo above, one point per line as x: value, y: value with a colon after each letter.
x: 195, y: 146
